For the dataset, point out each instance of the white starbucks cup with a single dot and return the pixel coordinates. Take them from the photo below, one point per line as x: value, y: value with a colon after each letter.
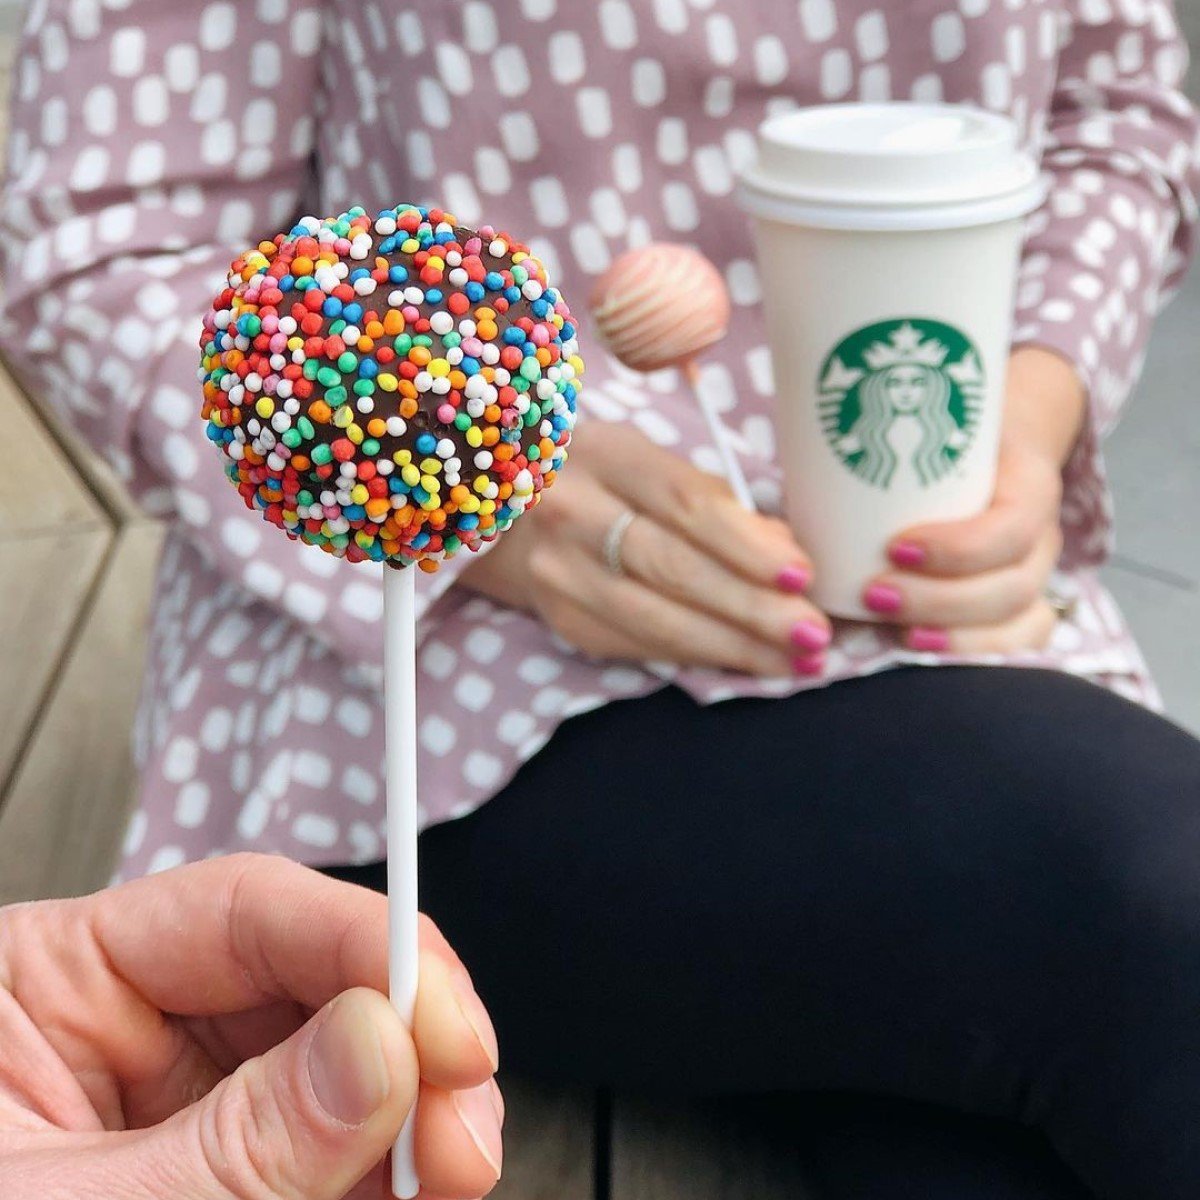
x: 888, y: 238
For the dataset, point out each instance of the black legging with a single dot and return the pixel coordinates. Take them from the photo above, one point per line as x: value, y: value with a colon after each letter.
x: 978, y: 888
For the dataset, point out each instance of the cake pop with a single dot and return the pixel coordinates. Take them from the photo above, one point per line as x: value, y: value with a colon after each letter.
x: 391, y: 389
x: 661, y: 306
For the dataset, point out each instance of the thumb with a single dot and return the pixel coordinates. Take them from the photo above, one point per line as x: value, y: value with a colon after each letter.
x: 306, y: 1121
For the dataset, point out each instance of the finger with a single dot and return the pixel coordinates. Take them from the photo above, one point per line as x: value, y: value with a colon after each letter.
x: 151, y: 1095
x: 1002, y: 536
x: 700, y: 508
x: 453, y: 1030
x: 454, y: 1033
x: 265, y: 939
x: 597, y: 639
x: 653, y: 627
x: 306, y: 1121
x: 37, y: 1088
x: 378, y: 1186
x: 257, y: 928
x: 1026, y: 501
x: 459, y: 1146
x: 231, y: 1038
x: 1029, y: 630
x: 991, y: 598
x: 674, y: 566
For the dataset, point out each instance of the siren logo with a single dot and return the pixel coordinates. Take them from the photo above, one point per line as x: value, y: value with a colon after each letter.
x: 900, y: 396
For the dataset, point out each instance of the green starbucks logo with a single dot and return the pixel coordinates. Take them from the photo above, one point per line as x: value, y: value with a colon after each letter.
x: 901, y: 395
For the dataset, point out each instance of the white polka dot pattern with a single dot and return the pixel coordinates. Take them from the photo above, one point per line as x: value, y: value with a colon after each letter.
x: 152, y: 137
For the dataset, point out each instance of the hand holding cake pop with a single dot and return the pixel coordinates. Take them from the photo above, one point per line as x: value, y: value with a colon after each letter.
x: 661, y: 306
x: 391, y: 389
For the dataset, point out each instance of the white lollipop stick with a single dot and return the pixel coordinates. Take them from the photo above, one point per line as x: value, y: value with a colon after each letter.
x: 720, y: 436
x: 400, y: 748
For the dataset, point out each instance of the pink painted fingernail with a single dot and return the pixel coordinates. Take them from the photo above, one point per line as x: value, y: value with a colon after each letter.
x: 810, y: 635
x: 809, y: 664
x: 883, y: 598
x: 907, y: 554
x: 934, y: 640
x: 794, y: 578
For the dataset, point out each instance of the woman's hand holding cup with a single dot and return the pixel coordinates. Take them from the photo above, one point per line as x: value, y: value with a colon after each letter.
x: 980, y: 585
x: 638, y: 555
x: 699, y: 581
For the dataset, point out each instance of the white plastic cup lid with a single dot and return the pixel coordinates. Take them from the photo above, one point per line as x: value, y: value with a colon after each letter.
x: 891, y: 166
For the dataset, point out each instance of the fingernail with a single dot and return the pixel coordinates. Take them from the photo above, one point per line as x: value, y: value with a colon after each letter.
x: 475, y: 1013
x: 346, y: 1066
x: 794, y: 578
x: 883, y: 598
x: 498, y: 1102
x: 907, y: 554
x: 810, y: 635
x: 809, y: 664
x: 934, y: 640
x: 476, y: 1109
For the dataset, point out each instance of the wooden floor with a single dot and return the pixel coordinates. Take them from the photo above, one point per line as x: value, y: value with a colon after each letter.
x: 74, y: 579
x: 74, y: 582
x: 75, y: 571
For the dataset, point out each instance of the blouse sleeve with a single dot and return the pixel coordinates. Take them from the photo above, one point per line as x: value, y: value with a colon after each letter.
x: 152, y: 143
x: 1115, y: 237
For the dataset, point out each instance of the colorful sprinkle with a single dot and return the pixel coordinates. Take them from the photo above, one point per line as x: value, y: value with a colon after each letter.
x: 392, y: 390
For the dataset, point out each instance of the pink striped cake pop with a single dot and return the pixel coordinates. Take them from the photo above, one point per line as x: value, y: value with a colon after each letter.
x: 660, y: 306
x: 663, y: 305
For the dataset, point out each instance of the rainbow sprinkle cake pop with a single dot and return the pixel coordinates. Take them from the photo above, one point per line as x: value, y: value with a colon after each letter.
x: 391, y: 389
x: 663, y: 305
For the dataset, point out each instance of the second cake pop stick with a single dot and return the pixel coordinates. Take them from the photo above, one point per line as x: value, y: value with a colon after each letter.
x: 734, y: 475
x: 400, y: 738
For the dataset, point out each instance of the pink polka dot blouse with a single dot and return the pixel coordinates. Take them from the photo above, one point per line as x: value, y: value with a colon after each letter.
x: 155, y: 139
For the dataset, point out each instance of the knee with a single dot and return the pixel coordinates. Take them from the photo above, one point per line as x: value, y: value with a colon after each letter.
x: 1097, y: 808
x: 1120, y: 853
